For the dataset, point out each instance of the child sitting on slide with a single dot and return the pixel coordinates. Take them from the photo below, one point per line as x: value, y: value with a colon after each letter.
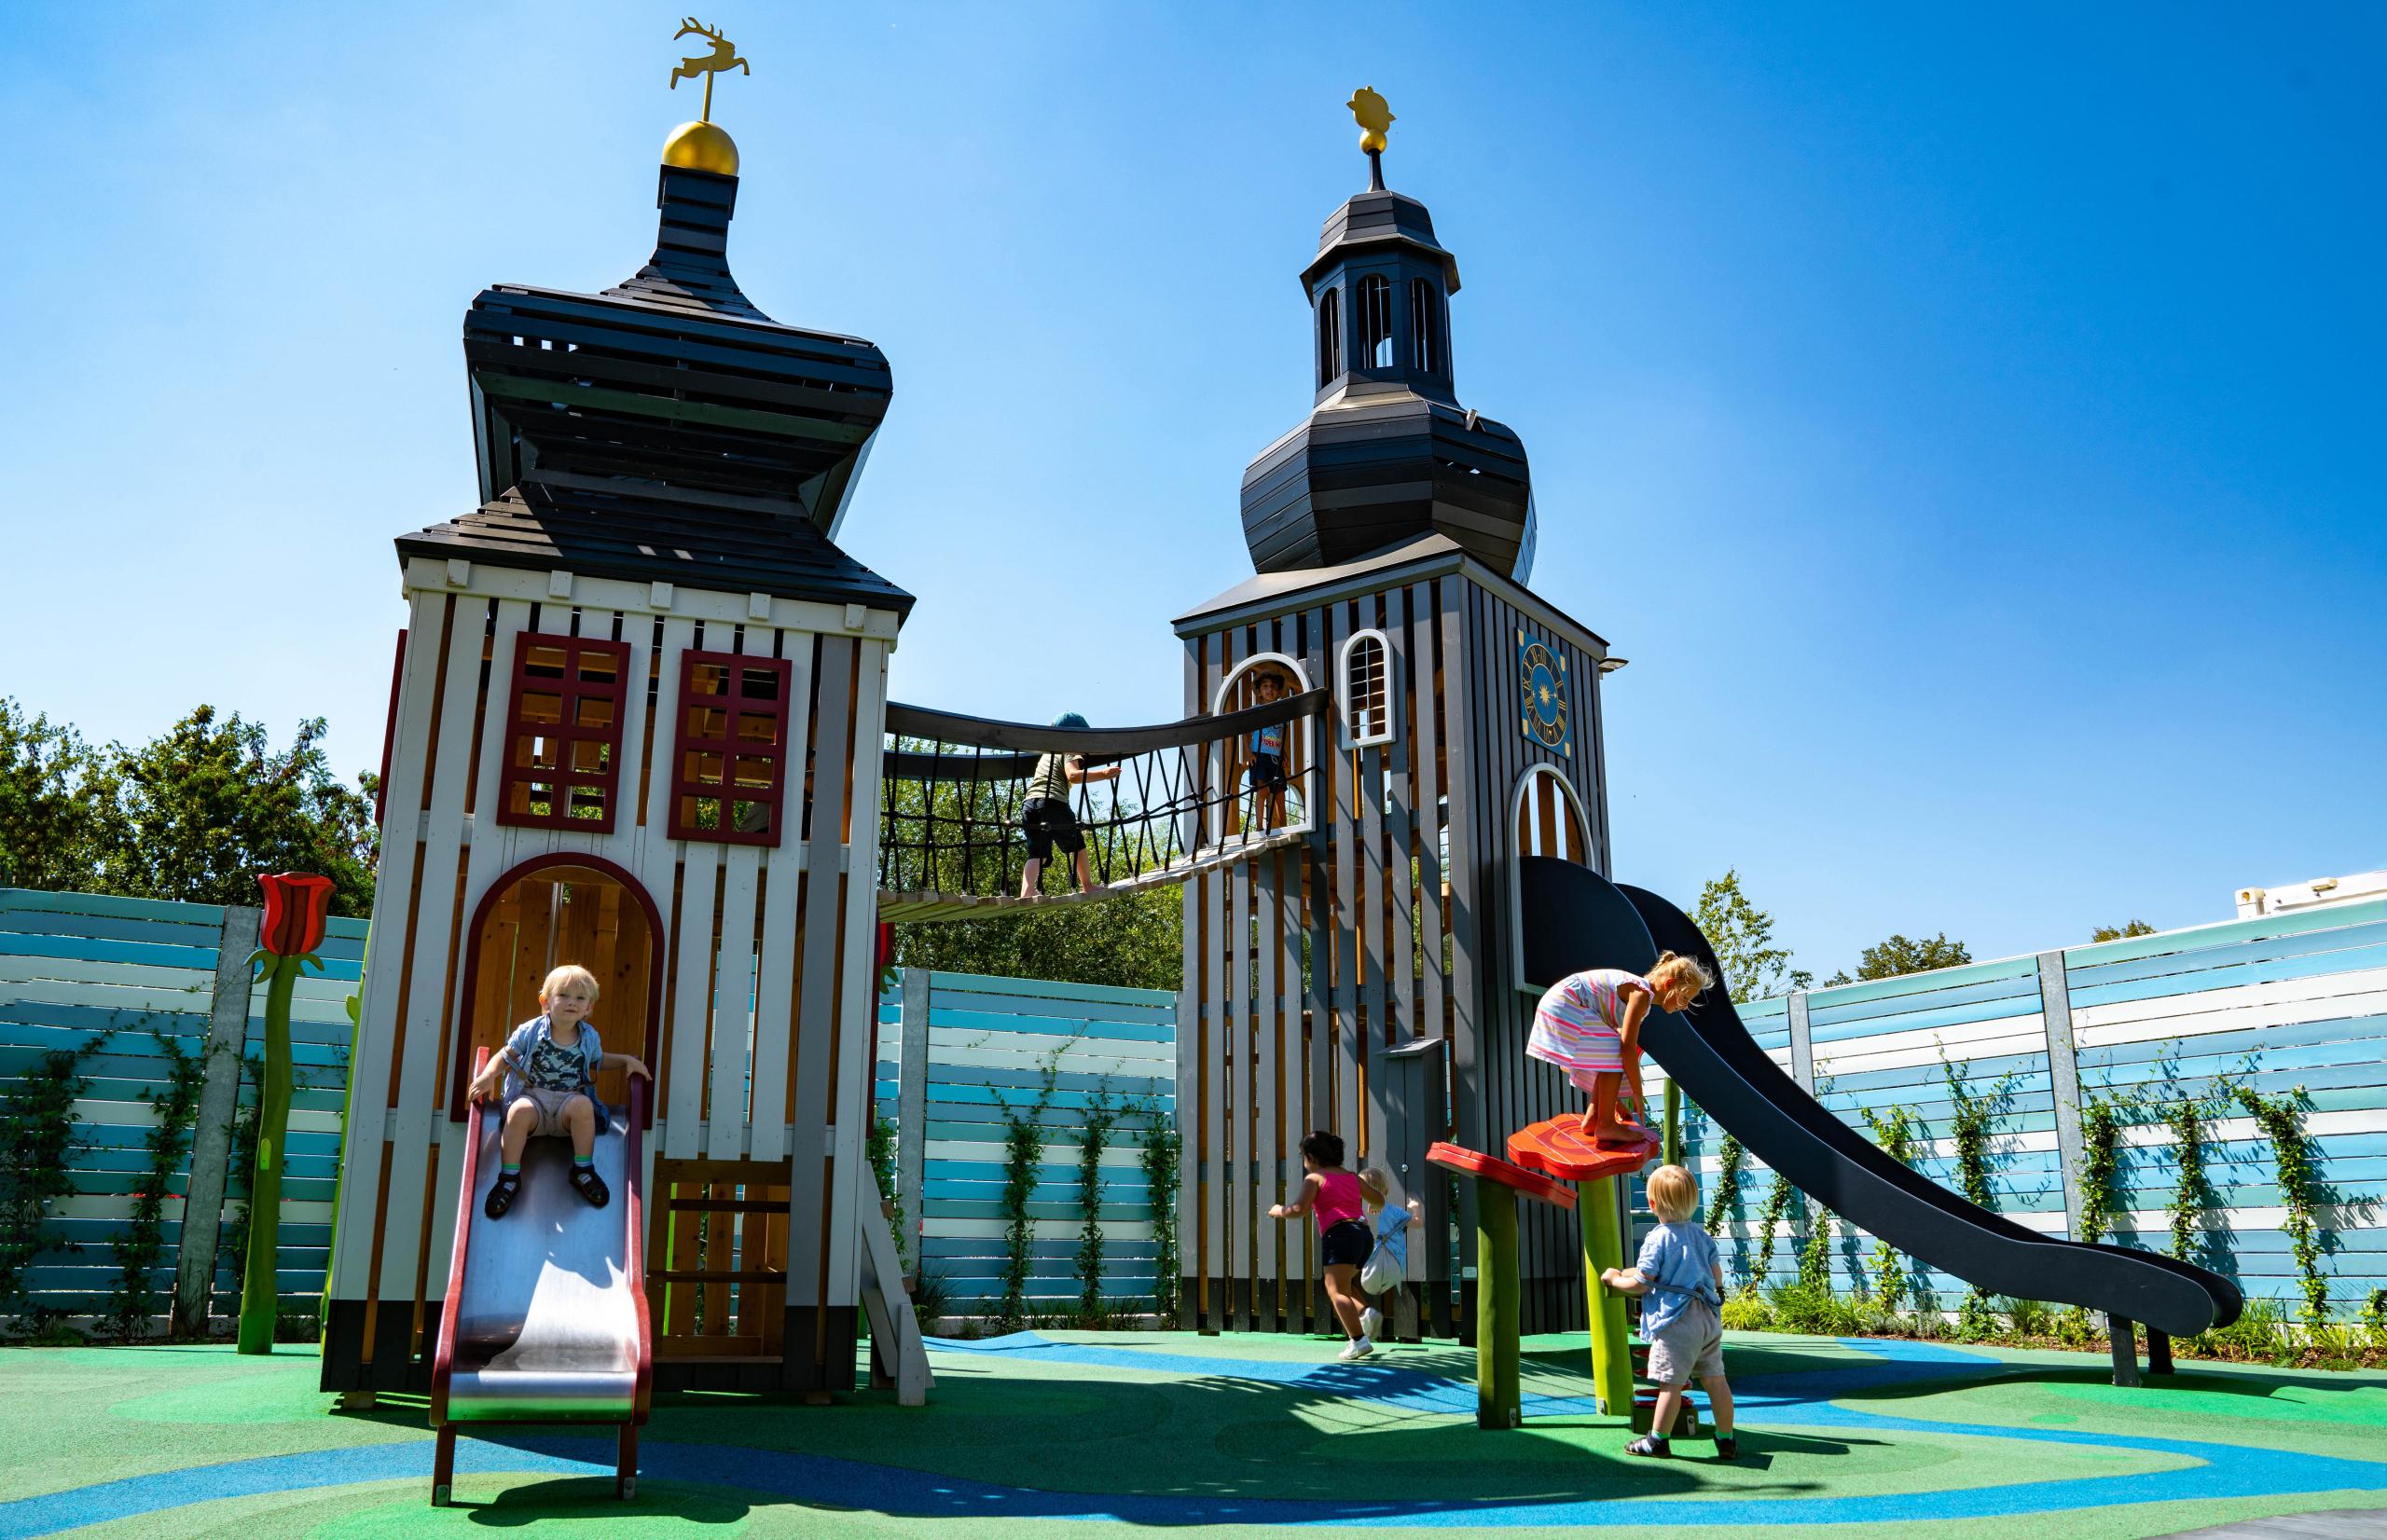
x: 1683, y: 1318
x: 1332, y: 1194
x: 1589, y: 1025
x: 550, y: 1065
x: 1388, y: 1265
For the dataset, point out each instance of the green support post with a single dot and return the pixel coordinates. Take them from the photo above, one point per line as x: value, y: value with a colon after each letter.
x: 1672, y: 1153
x: 1498, y: 1400
x: 259, y: 1299
x: 1603, y: 1248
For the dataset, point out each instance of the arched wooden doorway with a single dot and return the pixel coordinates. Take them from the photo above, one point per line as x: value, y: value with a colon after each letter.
x: 550, y: 911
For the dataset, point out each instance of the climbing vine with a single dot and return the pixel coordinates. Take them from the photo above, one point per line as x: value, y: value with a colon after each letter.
x: 1100, y: 1114
x: 1778, y: 1199
x: 879, y: 1148
x: 38, y: 1140
x: 2281, y: 1120
x: 1726, y: 1204
x: 2101, y: 1118
x: 1023, y: 1158
x: 1814, y: 1255
x: 1974, y: 1114
x: 2191, y: 1188
x: 132, y: 1302
x: 1898, y: 1131
x: 1162, y: 1149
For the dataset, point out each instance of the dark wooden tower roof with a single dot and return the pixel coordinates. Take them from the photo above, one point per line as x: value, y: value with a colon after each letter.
x: 1388, y: 453
x: 670, y: 395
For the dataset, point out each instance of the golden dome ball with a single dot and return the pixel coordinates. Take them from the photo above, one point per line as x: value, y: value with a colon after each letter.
x: 1372, y: 142
x: 701, y: 148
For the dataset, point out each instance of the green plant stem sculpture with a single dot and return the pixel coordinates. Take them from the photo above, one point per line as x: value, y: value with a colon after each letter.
x: 296, y: 910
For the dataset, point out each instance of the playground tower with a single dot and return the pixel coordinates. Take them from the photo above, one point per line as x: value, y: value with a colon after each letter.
x: 1368, y: 981
x: 636, y: 724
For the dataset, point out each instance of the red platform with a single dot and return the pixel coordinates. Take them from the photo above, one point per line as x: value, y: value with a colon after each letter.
x: 1491, y: 1168
x: 1559, y: 1147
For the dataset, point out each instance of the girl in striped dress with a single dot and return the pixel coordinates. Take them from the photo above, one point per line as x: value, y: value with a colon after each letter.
x: 1589, y: 1025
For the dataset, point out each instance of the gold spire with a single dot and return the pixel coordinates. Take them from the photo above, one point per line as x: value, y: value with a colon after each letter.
x: 703, y: 146
x: 1374, y: 114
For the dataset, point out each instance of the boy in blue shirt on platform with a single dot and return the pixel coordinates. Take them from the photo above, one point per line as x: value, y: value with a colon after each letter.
x: 1683, y: 1318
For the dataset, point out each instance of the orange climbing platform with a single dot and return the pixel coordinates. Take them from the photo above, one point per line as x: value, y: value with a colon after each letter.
x: 1558, y: 1147
x: 1491, y: 1168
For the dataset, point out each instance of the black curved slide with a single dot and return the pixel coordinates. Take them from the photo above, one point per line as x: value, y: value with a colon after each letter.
x: 1574, y: 919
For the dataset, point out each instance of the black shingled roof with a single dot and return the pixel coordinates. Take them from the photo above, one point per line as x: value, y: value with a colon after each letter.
x: 650, y: 532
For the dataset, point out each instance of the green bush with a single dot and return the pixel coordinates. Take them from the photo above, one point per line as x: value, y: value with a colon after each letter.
x: 1747, y: 1313
x: 1804, y: 1307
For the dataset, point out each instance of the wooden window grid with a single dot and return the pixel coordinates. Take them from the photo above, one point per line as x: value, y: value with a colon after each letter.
x: 563, y: 733
x: 730, y: 749
x: 1367, y: 693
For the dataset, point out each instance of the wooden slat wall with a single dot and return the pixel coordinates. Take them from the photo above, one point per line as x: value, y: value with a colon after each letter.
x: 77, y: 967
x: 1268, y: 1053
x: 748, y: 1052
x: 2302, y: 996
x: 990, y: 1043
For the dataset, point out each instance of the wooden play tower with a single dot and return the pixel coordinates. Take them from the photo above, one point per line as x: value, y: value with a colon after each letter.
x: 1367, y: 979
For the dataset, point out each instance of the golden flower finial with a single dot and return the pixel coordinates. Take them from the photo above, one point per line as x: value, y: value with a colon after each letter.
x: 1374, y: 114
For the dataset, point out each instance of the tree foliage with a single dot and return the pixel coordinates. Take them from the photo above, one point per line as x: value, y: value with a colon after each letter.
x: 2122, y: 931
x: 1136, y: 941
x: 1897, y: 956
x: 194, y: 814
x: 1742, y: 936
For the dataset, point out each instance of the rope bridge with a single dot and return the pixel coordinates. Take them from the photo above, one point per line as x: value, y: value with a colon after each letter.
x: 954, y: 792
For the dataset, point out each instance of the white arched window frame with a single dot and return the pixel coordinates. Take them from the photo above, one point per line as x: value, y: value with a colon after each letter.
x: 1546, y: 818
x: 1232, y: 759
x: 1363, y: 680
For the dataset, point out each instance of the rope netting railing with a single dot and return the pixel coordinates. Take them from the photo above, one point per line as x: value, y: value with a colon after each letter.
x: 954, y: 797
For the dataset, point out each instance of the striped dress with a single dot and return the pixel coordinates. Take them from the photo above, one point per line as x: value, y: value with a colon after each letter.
x: 1575, y: 1027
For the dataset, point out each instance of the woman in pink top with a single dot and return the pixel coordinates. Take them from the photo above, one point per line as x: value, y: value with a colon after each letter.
x: 1332, y: 1194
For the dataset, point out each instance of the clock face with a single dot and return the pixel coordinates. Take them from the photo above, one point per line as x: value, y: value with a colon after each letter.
x: 1541, y: 690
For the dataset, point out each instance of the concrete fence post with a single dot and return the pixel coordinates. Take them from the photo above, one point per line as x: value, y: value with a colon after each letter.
x: 1802, y: 1069
x: 912, y: 1109
x: 219, y: 1098
x: 2064, y: 1072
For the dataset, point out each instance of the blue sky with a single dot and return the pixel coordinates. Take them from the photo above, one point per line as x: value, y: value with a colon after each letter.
x: 1969, y: 426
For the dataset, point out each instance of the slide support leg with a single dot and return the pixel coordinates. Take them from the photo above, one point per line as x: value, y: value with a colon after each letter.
x: 443, y: 1466
x: 1498, y: 1402
x: 2158, y: 1352
x: 1603, y: 1248
x: 626, y: 1465
x: 2125, y: 1337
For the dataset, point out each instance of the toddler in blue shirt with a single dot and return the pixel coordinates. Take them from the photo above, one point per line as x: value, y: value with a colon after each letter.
x: 1683, y: 1318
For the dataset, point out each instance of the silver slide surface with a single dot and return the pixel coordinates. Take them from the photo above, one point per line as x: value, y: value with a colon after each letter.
x: 546, y: 1321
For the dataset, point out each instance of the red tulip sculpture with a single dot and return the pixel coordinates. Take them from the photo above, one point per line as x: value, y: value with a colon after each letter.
x: 297, y: 906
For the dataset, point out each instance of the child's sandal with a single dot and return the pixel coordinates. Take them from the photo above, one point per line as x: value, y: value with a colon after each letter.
x: 1728, y: 1447
x: 590, y: 1186
x: 1651, y: 1445
x: 501, y: 1197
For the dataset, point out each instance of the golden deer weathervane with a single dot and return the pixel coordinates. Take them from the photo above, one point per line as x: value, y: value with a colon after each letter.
x: 723, y: 56
x: 1374, y: 114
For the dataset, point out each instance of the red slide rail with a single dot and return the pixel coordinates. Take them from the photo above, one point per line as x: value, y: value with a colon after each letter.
x: 443, y: 1357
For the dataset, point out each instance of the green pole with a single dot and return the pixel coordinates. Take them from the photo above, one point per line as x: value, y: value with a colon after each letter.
x: 1603, y: 1248
x: 259, y: 1303
x: 1498, y: 1402
x: 1673, y: 1124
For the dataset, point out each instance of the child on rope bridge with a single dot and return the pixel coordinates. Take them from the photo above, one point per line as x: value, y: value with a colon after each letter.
x: 1683, y: 1318
x: 549, y: 1066
x: 1048, y: 820
x: 1589, y: 1025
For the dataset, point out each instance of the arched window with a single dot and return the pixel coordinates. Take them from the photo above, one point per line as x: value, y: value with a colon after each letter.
x: 1376, y: 321
x: 1424, y: 325
x: 1548, y: 819
x: 1329, y: 337
x: 1231, y: 759
x: 1367, y: 690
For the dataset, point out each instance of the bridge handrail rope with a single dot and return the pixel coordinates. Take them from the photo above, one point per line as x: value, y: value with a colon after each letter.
x: 953, y: 787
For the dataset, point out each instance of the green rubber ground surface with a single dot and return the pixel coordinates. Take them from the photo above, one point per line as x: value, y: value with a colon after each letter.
x: 1227, y: 1430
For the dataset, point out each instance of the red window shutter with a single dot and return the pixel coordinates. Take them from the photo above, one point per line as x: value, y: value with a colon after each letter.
x: 729, y: 748
x: 563, y: 733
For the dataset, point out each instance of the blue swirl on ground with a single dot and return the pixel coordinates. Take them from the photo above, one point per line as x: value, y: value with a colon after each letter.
x: 1800, y: 1399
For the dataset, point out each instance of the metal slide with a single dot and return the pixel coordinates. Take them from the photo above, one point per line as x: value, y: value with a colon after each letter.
x: 546, y: 1316
x: 1574, y: 919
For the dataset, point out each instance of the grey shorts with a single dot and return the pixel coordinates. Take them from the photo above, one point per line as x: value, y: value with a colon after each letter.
x: 551, y: 1104
x: 1690, y: 1346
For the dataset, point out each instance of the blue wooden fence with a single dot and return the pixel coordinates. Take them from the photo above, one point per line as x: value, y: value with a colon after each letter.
x: 2277, y: 1003
x: 117, y: 975
x: 992, y: 1047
